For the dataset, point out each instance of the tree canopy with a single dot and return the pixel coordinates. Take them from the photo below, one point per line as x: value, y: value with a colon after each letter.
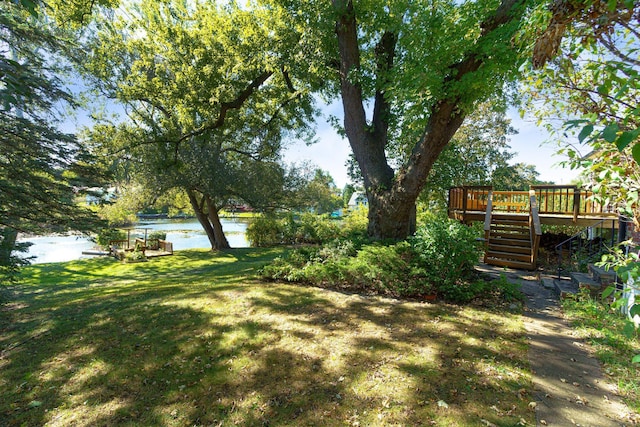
x: 408, y: 73
x: 587, y: 92
x: 211, y: 93
x: 42, y: 169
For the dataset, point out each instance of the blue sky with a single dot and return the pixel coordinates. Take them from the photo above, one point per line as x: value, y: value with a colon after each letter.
x: 331, y: 152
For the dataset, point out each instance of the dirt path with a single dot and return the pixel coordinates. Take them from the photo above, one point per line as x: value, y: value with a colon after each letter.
x: 569, y: 386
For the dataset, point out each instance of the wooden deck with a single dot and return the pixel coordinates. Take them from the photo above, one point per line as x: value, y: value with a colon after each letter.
x: 151, y: 248
x: 557, y: 204
x: 513, y: 219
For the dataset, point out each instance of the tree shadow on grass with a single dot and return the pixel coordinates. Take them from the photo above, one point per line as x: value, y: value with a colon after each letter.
x: 412, y: 363
x: 201, y: 348
x: 120, y: 360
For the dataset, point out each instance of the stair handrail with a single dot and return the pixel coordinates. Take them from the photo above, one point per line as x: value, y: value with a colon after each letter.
x: 558, y: 247
x: 535, y: 226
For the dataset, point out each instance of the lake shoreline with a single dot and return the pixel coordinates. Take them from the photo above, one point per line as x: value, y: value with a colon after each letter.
x: 183, y: 233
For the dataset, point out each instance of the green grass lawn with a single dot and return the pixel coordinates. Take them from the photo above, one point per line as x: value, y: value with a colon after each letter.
x: 603, y: 328
x: 195, y: 339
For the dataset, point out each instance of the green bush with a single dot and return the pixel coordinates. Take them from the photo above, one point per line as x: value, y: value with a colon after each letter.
x: 308, y: 228
x: 447, y: 251
x: 135, y: 255
x: 316, y: 229
x: 440, y: 258
x: 153, y: 239
x: 265, y: 231
x: 373, y: 268
x: 157, y: 235
x: 355, y: 222
x: 106, y: 235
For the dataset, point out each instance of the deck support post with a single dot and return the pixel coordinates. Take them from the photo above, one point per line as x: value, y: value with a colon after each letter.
x: 576, y: 204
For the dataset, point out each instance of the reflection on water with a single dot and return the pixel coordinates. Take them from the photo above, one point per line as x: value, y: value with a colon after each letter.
x: 184, y: 234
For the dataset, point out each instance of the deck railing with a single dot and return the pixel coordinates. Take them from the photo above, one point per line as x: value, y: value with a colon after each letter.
x: 487, y: 223
x: 469, y: 198
x: 165, y: 246
x: 568, y: 200
x: 511, y: 201
x: 552, y: 200
x: 120, y: 244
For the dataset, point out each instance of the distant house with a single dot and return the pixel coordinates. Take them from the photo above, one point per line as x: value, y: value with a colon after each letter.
x: 358, y: 199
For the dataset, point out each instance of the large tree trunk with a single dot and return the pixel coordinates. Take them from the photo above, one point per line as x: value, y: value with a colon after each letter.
x: 214, y: 219
x: 203, y: 218
x: 389, y: 218
x: 8, y: 238
x: 207, y: 214
x: 392, y: 197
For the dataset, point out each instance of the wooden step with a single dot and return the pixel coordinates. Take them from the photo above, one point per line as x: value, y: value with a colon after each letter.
x: 509, y: 256
x: 510, y: 229
x: 498, y: 217
x: 509, y: 236
x: 512, y: 223
x: 496, y: 247
x: 520, y: 244
x: 510, y: 264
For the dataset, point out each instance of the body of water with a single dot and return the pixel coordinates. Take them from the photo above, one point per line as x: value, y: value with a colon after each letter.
x: 184, y: 234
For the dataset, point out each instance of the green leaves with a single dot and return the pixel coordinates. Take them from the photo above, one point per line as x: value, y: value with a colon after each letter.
x: 626, y: 138
x: 635, y: 151
x: 585, y: 133
x: 212, y: 91
x: 30, y: 6
x: 608, y: 292
x: 594, y: 86
x: 610, y: 132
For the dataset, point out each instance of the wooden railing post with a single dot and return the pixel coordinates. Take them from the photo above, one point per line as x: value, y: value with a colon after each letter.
x: 576, y: 203
x: 465, y: 191
x: 536, y: 228
x: 487, y: 222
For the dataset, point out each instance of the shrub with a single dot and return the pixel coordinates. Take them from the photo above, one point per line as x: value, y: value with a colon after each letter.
x: 316, y: 229
x: 157, y: 235
x: 355, y: 222
x: 374, y: 268
x: 309, y: 228
x: 153, y: 239
x: 447, y: 251
x: 106, y: 235
x: 265, y: 231
x: 135, y: 255
x: 439, y: 258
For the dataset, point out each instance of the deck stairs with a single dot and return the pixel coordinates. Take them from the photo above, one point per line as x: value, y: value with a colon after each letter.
x: 509, y: 242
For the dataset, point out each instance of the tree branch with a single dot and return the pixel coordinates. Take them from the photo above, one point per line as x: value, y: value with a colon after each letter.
x: 227, y: 106
x: 368, y: 152
x: 385, y: 53
x: 446, y: 116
